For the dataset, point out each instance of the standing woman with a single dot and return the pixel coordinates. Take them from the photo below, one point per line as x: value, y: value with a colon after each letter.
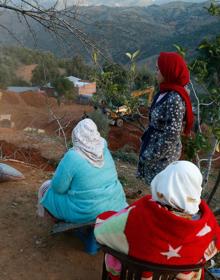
x: 170, y: 113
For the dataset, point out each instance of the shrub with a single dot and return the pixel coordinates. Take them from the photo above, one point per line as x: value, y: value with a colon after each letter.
x: 101, y: 121
x: 126, y: 154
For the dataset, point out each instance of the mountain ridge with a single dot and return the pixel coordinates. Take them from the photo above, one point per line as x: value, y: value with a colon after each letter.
x: 109, y: 3
x: 119, y: 30
x: 129, y: 3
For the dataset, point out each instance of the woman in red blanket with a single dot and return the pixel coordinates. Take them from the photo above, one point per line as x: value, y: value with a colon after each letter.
x: 172, y: 226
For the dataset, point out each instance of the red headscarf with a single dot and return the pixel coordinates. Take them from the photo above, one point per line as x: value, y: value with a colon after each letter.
x: 176, y: 75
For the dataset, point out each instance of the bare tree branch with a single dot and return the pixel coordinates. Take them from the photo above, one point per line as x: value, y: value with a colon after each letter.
x: 55, y: 21
x: 209, y: 160
x: 60, y: 127
x: 198, y: 107
x: 215, y: 141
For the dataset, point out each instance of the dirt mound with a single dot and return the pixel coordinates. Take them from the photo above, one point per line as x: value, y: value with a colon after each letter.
x: 37, y: 99
x: 10, y: 98
x: 125, y: 136
x: 28, y: 155
x: 50, y: 148
x: 31, y: 109
x: 33, y: 99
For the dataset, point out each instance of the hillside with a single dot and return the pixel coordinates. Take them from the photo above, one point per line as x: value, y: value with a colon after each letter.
x: 127, y: 3
x: 31, y: 110
x: 24, y: 72
x: 26, y: 241
x: 117, y: 3
x: 117, y: 30
x: 110, y: 3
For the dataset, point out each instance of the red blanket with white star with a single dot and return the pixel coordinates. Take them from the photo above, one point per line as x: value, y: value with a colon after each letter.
x: 157, y: 235
x: 148, y: 231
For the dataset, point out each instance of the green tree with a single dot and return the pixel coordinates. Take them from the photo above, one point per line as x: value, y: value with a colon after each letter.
x: 5, y: 75
x: 119, y: 73
x: 20, y: 82
x: 101, y: 121
x: 46, y: 71
x: 116, y: 83
x: 112, y: 93
x: 77, y: 67
x: 143, y: 79
x: 64, y: 87
x: 206, y: 71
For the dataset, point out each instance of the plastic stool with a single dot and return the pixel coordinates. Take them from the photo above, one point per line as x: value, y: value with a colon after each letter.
x: 86, y: 235
x: 91, y: 246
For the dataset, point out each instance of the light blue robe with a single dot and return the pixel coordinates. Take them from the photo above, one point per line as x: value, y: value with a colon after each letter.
x: 79, y: 191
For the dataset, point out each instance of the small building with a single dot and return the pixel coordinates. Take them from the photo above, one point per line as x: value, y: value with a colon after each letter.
x: 49, y: 90
x: 22, y: 89
x: 85, y: 89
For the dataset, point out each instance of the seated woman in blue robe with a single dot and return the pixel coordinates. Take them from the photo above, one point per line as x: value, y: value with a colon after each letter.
x: 85, y: 183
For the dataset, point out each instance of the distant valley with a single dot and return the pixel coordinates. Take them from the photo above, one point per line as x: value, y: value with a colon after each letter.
x: 117, y: 30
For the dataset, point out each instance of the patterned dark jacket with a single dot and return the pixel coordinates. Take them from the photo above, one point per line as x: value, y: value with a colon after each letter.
x: 161, y: 142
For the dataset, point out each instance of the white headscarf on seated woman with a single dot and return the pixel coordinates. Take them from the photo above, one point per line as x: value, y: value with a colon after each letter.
x: 179, y: 186
x: 88, y: 143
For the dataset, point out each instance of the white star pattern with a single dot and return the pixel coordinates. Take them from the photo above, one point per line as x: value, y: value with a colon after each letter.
x: 172, y: 252
x: 204, y: 231
x: 98, y: 221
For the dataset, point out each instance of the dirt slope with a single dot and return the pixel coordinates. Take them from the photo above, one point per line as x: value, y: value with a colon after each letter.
x: 27, y: 249
x: 24, y: 72
x: 31, y: 109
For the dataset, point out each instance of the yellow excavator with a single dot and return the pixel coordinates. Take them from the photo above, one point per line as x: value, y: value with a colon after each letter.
x: 117, y: 116
x: 149, y: 91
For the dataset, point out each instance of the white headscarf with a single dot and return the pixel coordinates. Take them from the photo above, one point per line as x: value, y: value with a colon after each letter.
x: 179, y: 186
x: 88, y: 142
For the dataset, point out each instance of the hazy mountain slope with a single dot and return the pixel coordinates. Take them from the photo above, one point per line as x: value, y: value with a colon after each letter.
x: 118, y: 30
x: 124, y: 3
x: 118, y: 3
